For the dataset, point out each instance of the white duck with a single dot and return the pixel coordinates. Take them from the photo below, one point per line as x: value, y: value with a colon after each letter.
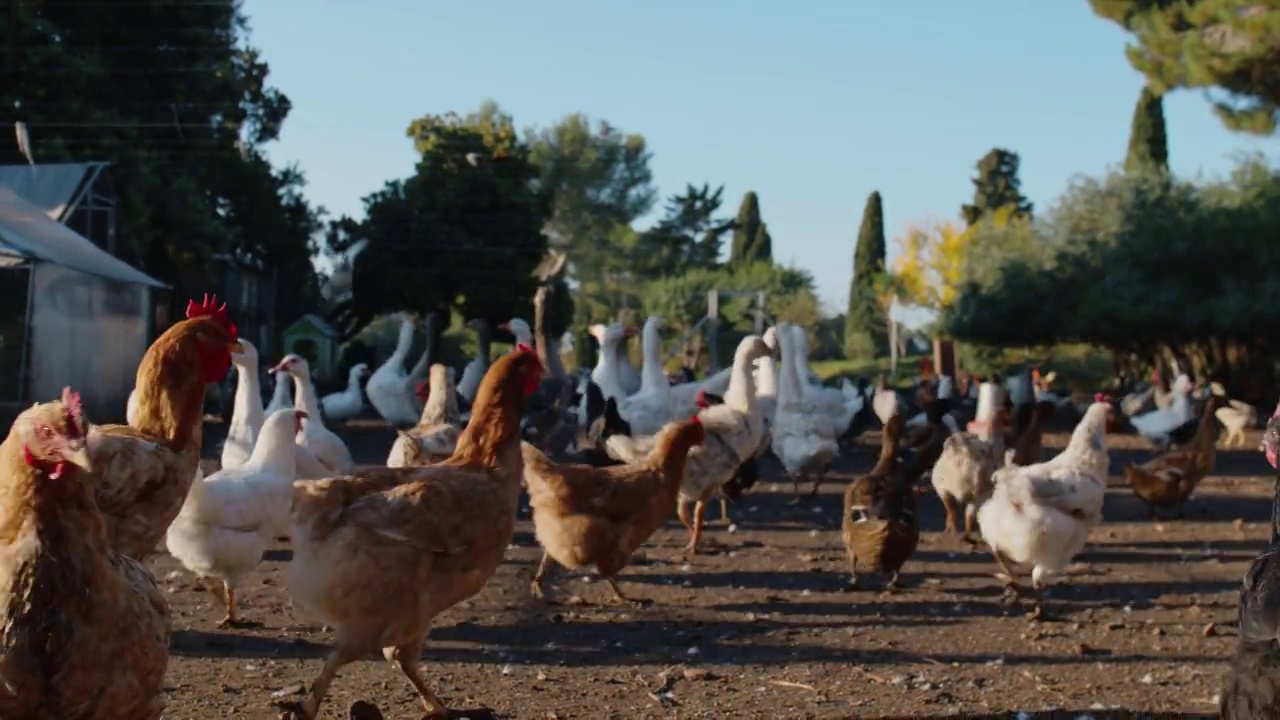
x: 386, y: 386
x: 650, y: 408
x: 1042, y: 514
x: 734, y: 431
x: 328, y: 449
x: 804, y: 432
x: 841, y: 404
x: 247, y: 415
x: 281, y: 396
x: 347, y: 403
x: 1156, y: 425
x: 229, y: 517
x: 436, y: 433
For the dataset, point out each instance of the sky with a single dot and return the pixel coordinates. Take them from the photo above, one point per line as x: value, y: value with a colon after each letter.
x: 812, y: 105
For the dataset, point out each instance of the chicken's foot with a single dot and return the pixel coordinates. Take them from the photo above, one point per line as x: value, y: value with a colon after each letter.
x: 617, y: 591
x: 1038, y: 612
x: 230, y: 619
x: 795, y: 484
x: 817, y: 484
x: 970, y: 514
x: 309, y: 707
x: 891, y: 587
x: 405, y: 657
x: 853, y: 575
x: 699, y: 511
x: 1010, y: 597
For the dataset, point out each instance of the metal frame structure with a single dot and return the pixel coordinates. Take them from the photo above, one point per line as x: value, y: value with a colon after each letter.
x: 713, y: 319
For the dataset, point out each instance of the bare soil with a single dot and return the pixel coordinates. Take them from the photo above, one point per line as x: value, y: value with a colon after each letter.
x: 765, y: 628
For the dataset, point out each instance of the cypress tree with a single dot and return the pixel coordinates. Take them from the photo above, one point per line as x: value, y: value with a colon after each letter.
x: 745, y: 229
x: 1148, y: 142
x: 996, y: 186
x: 864, y: 329
x: 762, y: 246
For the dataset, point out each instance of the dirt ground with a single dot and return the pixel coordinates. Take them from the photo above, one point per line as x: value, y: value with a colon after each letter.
x: 765, y: 628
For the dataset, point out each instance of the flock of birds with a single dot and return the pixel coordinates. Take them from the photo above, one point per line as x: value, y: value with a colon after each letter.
x: 380, y: 551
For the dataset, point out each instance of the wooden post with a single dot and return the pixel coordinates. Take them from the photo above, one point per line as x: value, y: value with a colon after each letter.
x: 944, y: 358
x: 713, y: 330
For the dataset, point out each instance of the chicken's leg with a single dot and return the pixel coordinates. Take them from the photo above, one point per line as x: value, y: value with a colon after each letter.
x: 970, y: 512
x: 1038, y: 585
x: 949, y: 506
x: 724, y: 509
x: 699, y: 510
x: 682, y: 512
x: 406, y: 657
x: 309, y: 707
x: 536, y: 585
x: 817, y: 483
x: 1010, y: 584
x: 230, y: 619
x: 795, y: 484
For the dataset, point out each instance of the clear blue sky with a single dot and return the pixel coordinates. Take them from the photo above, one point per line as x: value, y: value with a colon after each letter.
x: 813, y: 105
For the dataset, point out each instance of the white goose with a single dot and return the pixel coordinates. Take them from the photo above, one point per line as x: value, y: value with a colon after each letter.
x: 347, y: 403
x: 474, y: 371
x: 328, y: 449
x: 281, y: 397
x: 247, y: 414
x: 607, y: 373
x: 386, y: 387
x: 804, y: 431
x: 842, y: 405
x: 650, y: 408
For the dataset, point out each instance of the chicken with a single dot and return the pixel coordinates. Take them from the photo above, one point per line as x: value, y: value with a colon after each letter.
x: 1168, y: 480
x: 84, y: 631
x: 879, y: 527
x: 1253, y: 685
x: 434, y: 437
x: 1042, y: 514
x: 230, y: 516
x: 379, y: 554
x: 142, y: 472
x: 962, y: 475
x: 584, y: 515
x: 734, y: 429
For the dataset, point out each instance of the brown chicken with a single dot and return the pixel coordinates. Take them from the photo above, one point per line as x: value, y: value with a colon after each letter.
x: 880, y: 529
x: 143, y: 471
x: 84, y: 631
x: 1168, y: 480
x: 379, y: 554
x: 1025, y: 450
x: 584, y: 515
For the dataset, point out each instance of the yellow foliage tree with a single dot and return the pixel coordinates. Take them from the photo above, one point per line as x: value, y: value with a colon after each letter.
x: 930, y: 262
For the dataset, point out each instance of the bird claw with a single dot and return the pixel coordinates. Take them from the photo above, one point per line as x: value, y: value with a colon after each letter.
x: 292, y: 710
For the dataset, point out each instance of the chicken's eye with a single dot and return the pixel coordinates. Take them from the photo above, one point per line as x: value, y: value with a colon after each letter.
x: 45, y: 431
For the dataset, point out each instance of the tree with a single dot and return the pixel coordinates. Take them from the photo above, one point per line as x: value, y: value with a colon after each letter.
x: 930, y: 262
x: 1148, y: 142
x: 601, y: 183
x: 1228, y: 45
x: 177, y: 101
x: 751, y: 240
x: 689, y: 235
x: 864, y: 334
x: 997, y: 185
x: 464, y: 232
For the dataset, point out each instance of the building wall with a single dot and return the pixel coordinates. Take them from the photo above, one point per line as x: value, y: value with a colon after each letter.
x: 88, y: 333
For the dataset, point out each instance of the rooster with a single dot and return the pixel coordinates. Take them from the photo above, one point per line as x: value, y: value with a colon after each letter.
x: 380, y: 553
x: 584, y: 515
x: 84, y: 631
x: 143, y: 470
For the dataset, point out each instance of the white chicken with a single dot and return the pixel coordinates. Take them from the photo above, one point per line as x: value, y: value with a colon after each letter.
x: 386, y: 387
x: 650, y: 408
x: 229, y: 517
x: 327, y: 448
x: 347, y: 403
x: 804, y: 431
x: 247, y: 415
x: 734, y: 431
x: 1156, y: 425
x: 1042, y: 514
x: 1235, y: 416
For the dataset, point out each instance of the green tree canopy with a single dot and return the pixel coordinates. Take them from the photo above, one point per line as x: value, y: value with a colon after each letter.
x: 463, y: 232
x: 751, y: 240
x: 865, y: 331
x: 1148, y: 141
x: 689, y: 234
x: 1229, y: 45
x: 996, y: 186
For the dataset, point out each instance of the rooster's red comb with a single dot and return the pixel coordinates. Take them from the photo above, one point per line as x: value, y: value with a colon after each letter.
x: 696, y: 420
x: 1099, y: 398
x: 209, y: 307
x: 75, y: 412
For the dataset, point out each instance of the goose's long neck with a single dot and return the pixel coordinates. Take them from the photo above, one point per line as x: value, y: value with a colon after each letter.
x: 248, y: 401
x: 653, y: 379
x: 436, y: 410
x: 789, y: 383
x: 766, y: 377
x: 741, y: 395
x: 280, y: 396
x: 419, y: 370
x: 306, y: 398
x: 402, y: 345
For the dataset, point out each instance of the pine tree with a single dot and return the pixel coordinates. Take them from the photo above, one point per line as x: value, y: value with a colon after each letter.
x: 996, y: 186
x: 1148, y: 143
x: 864, y: 329
x: 751, y: 241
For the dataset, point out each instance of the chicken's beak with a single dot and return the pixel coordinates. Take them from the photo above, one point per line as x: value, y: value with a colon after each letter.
x: 235, y: 347
x: 80, y: 457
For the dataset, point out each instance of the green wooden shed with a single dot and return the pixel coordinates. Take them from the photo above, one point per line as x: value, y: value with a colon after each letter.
x: 315, y: 340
